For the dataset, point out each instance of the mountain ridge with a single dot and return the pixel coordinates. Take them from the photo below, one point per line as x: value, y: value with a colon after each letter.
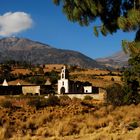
x: 116, y: 60
x: 23, y: 49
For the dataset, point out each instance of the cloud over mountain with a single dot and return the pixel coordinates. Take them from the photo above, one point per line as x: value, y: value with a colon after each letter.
x: 13, y: 23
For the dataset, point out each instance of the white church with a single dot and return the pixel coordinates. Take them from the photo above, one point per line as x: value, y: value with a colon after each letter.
x: 67, y: 86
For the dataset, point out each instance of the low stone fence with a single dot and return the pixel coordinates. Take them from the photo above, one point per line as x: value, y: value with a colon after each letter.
x: 97, y: 96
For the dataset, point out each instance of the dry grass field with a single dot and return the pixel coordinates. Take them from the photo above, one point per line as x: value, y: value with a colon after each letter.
x: 99, y: 78
x: 71, y: 120
x: 50, y: 67
x: 91, y: 71
x: 21, y: 71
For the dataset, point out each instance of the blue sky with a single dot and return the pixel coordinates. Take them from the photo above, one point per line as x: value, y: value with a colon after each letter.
x: 51, y: 26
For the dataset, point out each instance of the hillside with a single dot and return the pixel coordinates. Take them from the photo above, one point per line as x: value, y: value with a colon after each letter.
x: 117, y: 60
x: 21, y: 49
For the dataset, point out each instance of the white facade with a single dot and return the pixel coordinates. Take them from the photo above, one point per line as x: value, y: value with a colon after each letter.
x: 63, y: 86
x: 63, y: 83
x: 87, y: 89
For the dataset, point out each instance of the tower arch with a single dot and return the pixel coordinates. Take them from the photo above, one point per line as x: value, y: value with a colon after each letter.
x: 62, y: 90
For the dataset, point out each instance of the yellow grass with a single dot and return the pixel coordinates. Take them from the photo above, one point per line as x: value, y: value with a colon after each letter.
x: 21, y: 71
x: 99, y: 78
x: 56, y: 67
x: 116, y: 78
x: 94, y: 71
x: 71, y: 122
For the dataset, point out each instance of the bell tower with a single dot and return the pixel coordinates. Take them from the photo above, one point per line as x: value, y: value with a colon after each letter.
x: 64, y: 73
x: 63, y: 83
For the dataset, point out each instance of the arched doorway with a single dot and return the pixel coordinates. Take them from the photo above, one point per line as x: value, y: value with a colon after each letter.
x: 62, y: 90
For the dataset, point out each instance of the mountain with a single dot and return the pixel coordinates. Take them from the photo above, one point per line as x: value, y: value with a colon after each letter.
x: 117, y: 60
x: 21, y: 49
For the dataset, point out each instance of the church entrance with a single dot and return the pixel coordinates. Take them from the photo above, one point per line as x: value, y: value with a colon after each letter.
x: 62, y: 90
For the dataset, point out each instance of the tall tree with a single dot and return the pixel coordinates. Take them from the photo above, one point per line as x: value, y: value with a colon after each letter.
x: 131, y: 75
x: 113, y: 14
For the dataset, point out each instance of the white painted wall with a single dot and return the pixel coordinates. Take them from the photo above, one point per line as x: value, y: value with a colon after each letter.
x: 30, y: 89
x: 99, y: 96
x: 63, y: 83
x: 87, y: 89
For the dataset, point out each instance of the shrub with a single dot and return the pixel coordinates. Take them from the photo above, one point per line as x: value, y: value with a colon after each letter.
x: 65, y: 100
x: 52, y: 101
x: 34, y: 103
x: 75, y: 99
x: 69, y: 128
x: 133, y: 125
x: 87, y: 104
x: 87, y: 97
x: 115, y: 95
x: 112, y: 79
x: 6, y: 104
x: 39, y: 103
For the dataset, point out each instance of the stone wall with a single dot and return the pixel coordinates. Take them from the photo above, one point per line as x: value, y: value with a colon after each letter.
x: 97, y: 96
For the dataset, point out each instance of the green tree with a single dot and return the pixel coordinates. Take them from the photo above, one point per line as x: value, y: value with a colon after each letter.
x: 53, y: 75
x: 6, y: 73
x: 113, y: 14
x: 131, y: 75
x: 40, y: 71
x: 36, y: 80
x: 6, y: 69
x: 131, y: 78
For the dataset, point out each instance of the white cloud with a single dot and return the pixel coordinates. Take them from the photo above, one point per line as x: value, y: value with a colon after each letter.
x: 13, y: 23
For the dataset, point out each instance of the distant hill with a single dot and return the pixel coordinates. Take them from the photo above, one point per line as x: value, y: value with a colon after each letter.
x: 21, y: 49
x: 117, y: 60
